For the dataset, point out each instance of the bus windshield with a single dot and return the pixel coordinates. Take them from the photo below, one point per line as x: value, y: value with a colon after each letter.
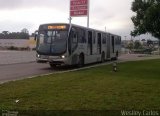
x: 52, y: 42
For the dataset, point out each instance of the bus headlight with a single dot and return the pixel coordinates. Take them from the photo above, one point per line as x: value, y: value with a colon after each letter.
x: 38, y: 55
x: 63, y: 56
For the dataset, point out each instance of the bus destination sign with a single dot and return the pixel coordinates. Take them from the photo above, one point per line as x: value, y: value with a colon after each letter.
x: 56, y: 27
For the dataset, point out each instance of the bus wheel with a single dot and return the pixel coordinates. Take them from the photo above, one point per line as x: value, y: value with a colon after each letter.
x: 103, y: 57
x: 81, y: 61
x: 52, y: 65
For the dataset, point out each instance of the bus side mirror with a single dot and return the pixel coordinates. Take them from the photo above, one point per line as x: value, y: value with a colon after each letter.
x: 35, y: 35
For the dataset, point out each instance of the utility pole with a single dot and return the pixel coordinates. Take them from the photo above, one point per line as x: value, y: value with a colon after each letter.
x: 125, y: 44
x: 88, y: 13
x: 70, y: 20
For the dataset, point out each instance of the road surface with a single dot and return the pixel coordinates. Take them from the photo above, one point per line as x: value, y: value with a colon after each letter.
x: 13, y: 57
x: 21, y: 70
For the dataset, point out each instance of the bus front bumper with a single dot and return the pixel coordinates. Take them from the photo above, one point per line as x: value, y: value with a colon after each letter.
x: 52, y: 59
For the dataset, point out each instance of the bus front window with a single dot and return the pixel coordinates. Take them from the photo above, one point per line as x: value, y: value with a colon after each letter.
x: 52, y: 42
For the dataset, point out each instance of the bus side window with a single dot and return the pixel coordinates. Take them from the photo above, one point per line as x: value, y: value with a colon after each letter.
x: 74, y: 37
x: 104, y: 38
x: 81, y: 36
x: 74, y: 40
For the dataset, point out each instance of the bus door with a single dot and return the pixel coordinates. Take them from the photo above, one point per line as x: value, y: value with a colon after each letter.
x: 94, y: 43
x: 99, y: 43
x: 108, y: 46
x: 90, y: 43
x: 72, y: 45
x: 112, y: 43
x: 73, y: 41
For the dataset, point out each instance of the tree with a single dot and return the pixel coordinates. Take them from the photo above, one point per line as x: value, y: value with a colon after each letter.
x: 5, y: 34
x: 14, y: 35
x: 147, y: 19
x: 24, y: 30
x: 24, y: 34
x: 137, y: 45
x: 130, y: 46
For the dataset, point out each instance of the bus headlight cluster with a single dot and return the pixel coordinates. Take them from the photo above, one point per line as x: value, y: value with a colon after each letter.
x: 38, y: 55
x: 63, y: 56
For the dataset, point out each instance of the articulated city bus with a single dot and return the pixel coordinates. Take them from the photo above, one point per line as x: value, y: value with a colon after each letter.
x: 65, y: 44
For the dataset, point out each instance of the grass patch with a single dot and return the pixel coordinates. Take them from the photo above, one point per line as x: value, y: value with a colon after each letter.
x: 136, y: 85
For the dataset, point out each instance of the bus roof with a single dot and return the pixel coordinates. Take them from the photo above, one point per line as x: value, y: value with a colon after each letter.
x: 67, y: 24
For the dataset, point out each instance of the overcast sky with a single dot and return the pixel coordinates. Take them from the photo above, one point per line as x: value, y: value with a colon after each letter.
x: 115, y: 15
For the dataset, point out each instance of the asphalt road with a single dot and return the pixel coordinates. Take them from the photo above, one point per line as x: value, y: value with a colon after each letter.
x: 16, y: 65
x: 21, y: 70
x: 13, y: 57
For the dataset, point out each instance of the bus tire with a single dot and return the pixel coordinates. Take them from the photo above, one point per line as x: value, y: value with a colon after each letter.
x: 103, y: 57
x: 81, y: 60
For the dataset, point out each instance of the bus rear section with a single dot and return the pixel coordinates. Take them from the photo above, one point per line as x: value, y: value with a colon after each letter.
x: 115, y: 46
